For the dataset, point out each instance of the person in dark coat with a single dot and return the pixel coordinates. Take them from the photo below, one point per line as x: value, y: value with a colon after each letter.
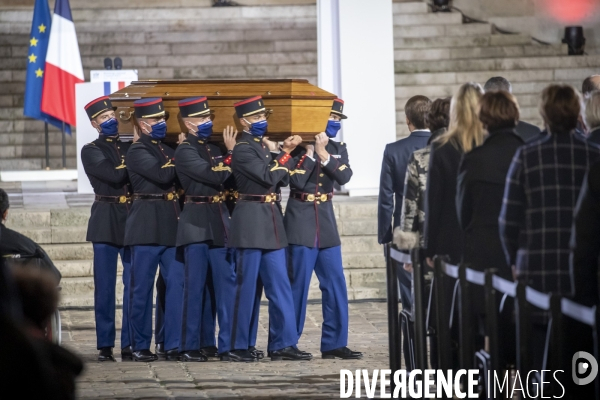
x: 481, y: 180
x: 104, y: 163
x: 540, y: 195
x: 203, y: 228
x: 443, y: 235
x: 258, y: 234
x: 585, y: 240
x: 314, y: 241
x: 151, y: 231
x: 528, y: 132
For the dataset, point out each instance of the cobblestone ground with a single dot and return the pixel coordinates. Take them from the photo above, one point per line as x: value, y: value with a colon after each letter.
x: 214, y: 379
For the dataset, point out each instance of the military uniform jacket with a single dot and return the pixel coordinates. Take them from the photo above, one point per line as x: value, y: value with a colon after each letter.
x: 202, y: 171
x: 258, y: 225
x: 104, y: 163
x: 312, y: 223
x: 151, y: 168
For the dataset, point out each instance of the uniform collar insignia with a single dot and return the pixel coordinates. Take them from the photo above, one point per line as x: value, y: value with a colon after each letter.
x: 154, y: 141
x: 201, y: 141
x: 256, y: 139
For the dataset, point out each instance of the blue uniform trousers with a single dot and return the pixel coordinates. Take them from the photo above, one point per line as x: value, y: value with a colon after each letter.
x: 198, y: 328
x: 270, y: 265
x: 255, y: 314
x: 327, y: 264
x: 209, y: 309
x: 159, y: 311
x: 209, y: 313
x: 105, y: 279
x: 144, y: 262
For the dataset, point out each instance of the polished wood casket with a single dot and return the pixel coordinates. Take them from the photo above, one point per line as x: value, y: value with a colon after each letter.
x: 298, y: 108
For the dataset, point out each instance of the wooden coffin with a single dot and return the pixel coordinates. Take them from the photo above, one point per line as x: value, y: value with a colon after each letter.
x: 299, y: 108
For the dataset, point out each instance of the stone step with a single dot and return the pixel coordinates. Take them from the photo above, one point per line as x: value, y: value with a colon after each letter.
x: 356, y: 209
x: 427, y: 19
x: 354, y: 260
x: 435, y: 31
x: 362, y: 244
x: 11, y: 138
x: 354, y: 293
x: 79, y: 291
x: 505, y: 64
x: 516, y: 77
x: 69, y: 252
x: 22, y: 164
x: 479, y: 52
x: 461, y: 41
x: 225, y: 14
x: 411, y: 7
x: 265, y: 46
x: 358, y: 226
x: 56, y: 234
x: 36, y: 150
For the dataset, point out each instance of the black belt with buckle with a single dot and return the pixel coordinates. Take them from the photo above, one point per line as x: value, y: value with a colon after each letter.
x: 112, y: 199
x: 162, y: 196
x: 311, y: 196
x: 218, y: 198
x: 267, y: 198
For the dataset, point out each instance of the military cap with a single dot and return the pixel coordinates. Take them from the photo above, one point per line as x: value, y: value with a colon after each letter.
x: 151, y: 107
x: 194, y: 107
x: 338, y: 107
x: 98, y: 106
x: 251, y: 106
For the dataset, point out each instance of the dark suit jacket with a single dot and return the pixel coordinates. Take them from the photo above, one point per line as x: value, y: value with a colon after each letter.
x: 528, y: 132
x: 443, y: 235
x: 585, y: 240
x: 312, y: 223
x: 480, y: 189
x: 202, y: 171
x: 104, y: 163
x: 257, y: 225
x: 391, y: 183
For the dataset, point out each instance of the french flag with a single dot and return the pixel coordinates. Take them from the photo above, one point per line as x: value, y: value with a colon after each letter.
x: 63, y: 66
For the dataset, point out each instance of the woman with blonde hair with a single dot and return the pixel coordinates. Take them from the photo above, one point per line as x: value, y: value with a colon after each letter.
x: 443, y: 235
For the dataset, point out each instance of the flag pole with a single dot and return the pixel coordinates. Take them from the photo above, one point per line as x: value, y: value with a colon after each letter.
x: 47, y: 145
x: 64, y: 147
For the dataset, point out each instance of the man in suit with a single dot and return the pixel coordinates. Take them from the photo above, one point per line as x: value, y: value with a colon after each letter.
x: 151, y: 231
x: 313, y: 236
x: 203, y: 229
x: 393, y: 173
x: 528, y: 132
x: 104, y: 163
x: 258, y: 234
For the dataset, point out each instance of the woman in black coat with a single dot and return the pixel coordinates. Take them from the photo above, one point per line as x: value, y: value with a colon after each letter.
x: 481, y: 180
x: 443, y: 235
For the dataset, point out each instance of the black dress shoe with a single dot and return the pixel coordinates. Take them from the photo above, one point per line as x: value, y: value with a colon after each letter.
x: 159, y: 349
x: 343, y: 353
x: 238, y: 356
x: 289, y: 353
x: 192, y: 356
x: 210, y: 351
x: 126, y: 354
x: 258, y: 354
x: 106, y: 354
x: 172, y: 355
x: 143, y: 356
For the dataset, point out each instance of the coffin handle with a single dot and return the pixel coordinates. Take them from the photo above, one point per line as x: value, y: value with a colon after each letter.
x: 122, y: 115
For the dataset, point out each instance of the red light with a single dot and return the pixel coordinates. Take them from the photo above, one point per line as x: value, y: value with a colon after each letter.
x: 570, y: 11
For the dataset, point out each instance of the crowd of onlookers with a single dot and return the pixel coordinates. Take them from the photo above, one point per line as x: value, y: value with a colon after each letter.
x: 474, y: 183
